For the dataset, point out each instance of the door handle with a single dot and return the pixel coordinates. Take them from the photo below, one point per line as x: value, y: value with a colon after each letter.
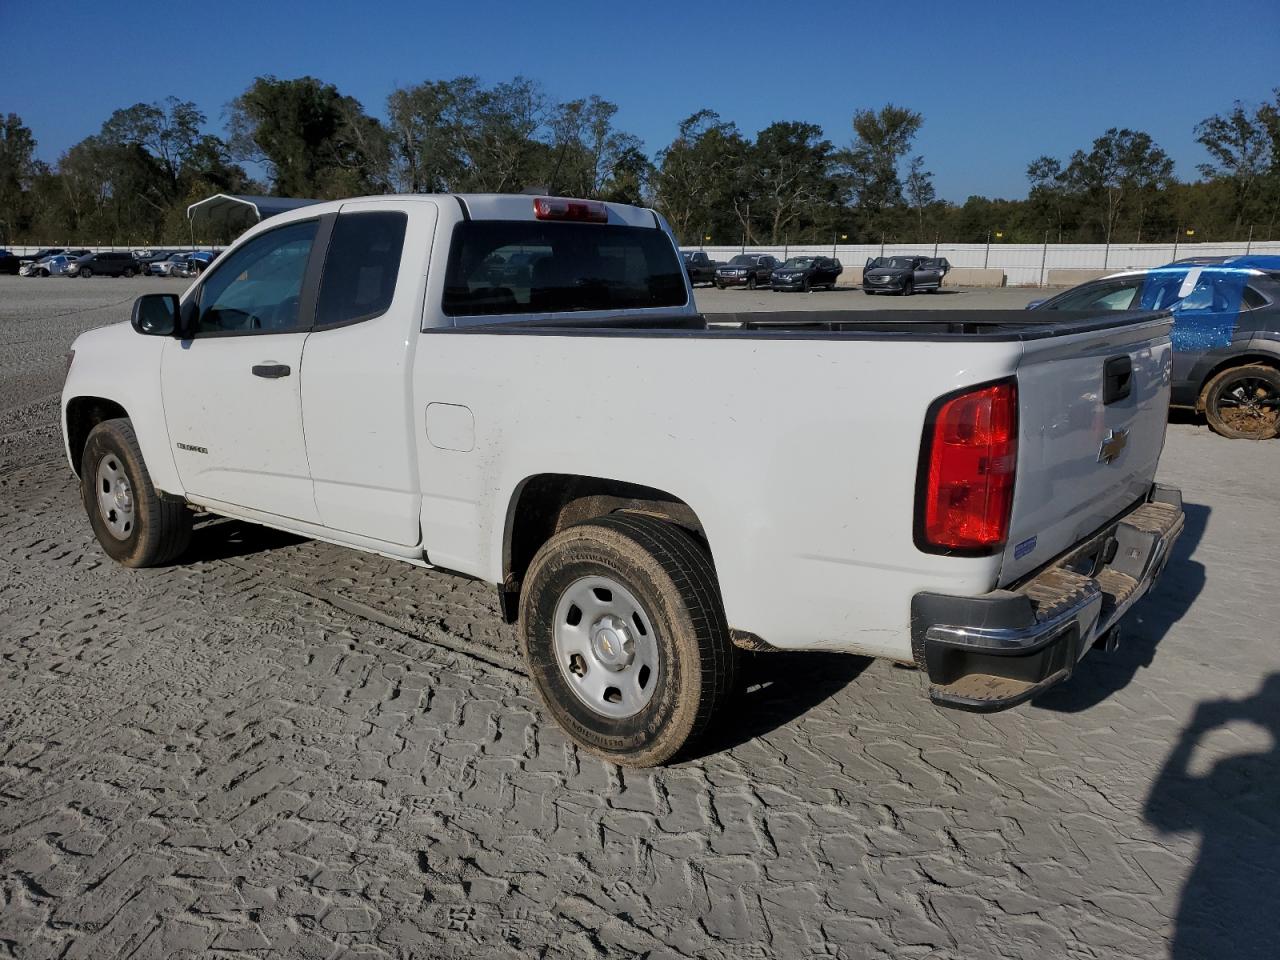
x: 1117, y: 379
x: 271, y: 371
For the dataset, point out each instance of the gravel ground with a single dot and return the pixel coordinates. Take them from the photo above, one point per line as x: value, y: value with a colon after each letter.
x: 284, y: 748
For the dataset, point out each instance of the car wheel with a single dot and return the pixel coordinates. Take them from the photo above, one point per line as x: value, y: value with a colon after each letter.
x: 625, y: 638
x: 1243, y: 403
x: 42, y: 273
x: 908, y: 288
x: 751, y: 283
x: 135, y: 524
x: 804, y: 285
x: 85, y: 272
x: 129, y: 273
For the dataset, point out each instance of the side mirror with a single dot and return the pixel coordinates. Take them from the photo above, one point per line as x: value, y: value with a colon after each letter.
x: 156, y: 314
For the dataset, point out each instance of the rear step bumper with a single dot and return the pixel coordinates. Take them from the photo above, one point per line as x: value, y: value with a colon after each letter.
x: 997, y: 650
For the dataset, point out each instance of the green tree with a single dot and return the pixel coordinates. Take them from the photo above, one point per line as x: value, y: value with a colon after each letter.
x: 313, y: 140
x: 792, y: 167
x: 17, y: 168
x: 882, y: 139
x: 920, y: 192
x: 698, y: 176
x: 1120, y: 163
x: 1241, y: 146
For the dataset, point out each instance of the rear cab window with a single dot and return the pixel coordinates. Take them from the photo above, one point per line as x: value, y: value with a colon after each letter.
x: 501, y: 267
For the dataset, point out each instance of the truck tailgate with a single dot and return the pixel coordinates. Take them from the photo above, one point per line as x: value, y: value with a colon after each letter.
x: 1092, y: 413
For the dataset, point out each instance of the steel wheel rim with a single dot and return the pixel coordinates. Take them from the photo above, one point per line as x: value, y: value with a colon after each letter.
x: 606, y: 647
x: 115, y: 497
x: 1250, y: 402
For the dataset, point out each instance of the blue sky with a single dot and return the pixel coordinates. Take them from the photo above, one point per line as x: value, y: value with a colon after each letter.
x: 998, y: 83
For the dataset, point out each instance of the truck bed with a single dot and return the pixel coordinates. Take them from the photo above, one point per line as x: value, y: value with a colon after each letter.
x: 934, y: 325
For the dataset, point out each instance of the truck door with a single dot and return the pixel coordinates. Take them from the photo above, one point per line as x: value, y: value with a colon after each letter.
x: 357, y: 371
x: 232, y: 389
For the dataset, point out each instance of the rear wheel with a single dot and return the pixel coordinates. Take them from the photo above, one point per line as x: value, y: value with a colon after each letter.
x: 134, y: 523
x: 129, y: 273
x: 1243, y: 403
x: 751, y: 283
x: 625, y: 638
x: 86, y: 272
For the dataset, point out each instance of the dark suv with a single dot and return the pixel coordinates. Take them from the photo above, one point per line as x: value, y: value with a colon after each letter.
x: 904, y: 275
x: 748, y: 270
x: 105, y: 265
x: 806, y: 273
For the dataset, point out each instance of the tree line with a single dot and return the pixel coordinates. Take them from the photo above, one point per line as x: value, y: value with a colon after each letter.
x: 130, y: 182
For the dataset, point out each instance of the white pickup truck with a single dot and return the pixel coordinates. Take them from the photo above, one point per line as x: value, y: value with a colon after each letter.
x: 521, y: 390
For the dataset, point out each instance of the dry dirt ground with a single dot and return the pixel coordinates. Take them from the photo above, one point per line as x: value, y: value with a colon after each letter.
x: 281, y: 748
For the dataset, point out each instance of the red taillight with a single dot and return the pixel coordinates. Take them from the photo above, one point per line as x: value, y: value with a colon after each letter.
x: 972, y: 456
x: 561, y: 208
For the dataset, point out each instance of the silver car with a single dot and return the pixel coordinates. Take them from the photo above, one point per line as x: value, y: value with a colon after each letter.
x: 55, y: 266
x: 164, y: 268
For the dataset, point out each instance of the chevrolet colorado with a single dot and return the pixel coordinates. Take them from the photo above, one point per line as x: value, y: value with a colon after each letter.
x: 649, y: 489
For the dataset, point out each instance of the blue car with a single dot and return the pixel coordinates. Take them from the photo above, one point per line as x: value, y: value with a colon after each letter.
x: 1226, y: 333
x: 193, y: 265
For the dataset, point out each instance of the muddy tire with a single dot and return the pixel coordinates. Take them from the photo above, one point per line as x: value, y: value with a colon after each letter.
x: 624, y: 634
x: 1243, y: 403
x: 136, y: 526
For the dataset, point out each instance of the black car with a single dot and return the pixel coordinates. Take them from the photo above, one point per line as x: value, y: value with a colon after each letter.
x: 748, y: 270
x: 700, y: 267
x: 106, y: 265
x: 806, y: 273
x: 9, y: 262
x: 1226, y: 334
x: 904, y: 275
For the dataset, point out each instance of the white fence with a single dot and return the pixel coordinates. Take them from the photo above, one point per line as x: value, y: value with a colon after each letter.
x: 1024, y: 264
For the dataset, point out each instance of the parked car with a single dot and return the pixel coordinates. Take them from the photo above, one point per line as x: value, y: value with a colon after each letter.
x: 904, y: 275
x: 164, y: 267
x: 193, y: 264
x: 942, y: 535
x: 1226, y: 334
x: 748, y: 270
x: 109, y: 264
x: 9, y: 262
x: 56, y: 266
x: 700, y: 267
x: 806, y: 273
x: 150, y: 257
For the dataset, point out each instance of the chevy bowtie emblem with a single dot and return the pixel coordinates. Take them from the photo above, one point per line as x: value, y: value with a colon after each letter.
x: 1113, y: 445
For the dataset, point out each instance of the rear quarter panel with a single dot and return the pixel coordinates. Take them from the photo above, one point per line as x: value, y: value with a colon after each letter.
x: 798, y: 456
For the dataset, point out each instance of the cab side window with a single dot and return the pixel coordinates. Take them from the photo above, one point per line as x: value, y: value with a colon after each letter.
x: 360, y: 268
x: 257, y: 288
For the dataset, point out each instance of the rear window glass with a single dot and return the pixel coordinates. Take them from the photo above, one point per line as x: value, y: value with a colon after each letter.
x: 504, y: 266
x: 360, y: 268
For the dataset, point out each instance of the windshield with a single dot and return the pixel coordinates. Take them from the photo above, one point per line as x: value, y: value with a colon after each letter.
x: 742, y: 260
x: 799, y: 263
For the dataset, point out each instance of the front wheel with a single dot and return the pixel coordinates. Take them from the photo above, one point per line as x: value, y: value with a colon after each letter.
x: 1243, y: 403
x: 907, y: 288
x: 751, y: 283
x: 135, y: 525
x: 85, y: 272
x: 129, y: 273
x: 42, y: 273
x: 625, y: 638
